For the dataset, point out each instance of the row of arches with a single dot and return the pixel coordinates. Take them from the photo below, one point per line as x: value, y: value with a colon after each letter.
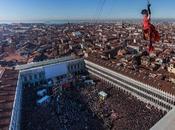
x: 143, y: 96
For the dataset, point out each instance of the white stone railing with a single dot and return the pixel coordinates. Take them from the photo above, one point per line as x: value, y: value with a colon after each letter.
x: 16, y: 110
x: 42, y: 63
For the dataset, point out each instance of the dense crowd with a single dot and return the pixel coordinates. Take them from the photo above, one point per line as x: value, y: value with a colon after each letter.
x: 73, y: 113
x: 121, y: 111
x: 81, y: 109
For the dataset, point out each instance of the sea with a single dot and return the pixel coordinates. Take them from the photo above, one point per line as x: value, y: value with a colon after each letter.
x: 51, y: 21
x: 63, y: 21
x: 80, y: 21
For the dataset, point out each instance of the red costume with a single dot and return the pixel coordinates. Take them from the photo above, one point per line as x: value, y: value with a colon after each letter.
x: 146, y: 23
x: 150, y: 33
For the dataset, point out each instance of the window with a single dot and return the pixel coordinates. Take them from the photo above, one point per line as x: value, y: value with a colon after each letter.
x: 71, y: 67
x: 25, y: 78
x: 40, y: 75
x: 35, y: 76
x: 78, y: 66
x: 30, y: 77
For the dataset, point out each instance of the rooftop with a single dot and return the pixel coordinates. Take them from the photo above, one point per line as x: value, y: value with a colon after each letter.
x: 8, y: 83
x: 156, y: 83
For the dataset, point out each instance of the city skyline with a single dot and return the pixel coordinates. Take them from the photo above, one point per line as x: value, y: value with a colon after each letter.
x: 20, y: 10
x: 87, y: 64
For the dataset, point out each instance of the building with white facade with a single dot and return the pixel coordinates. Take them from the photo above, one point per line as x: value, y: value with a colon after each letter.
x: 40, y: 72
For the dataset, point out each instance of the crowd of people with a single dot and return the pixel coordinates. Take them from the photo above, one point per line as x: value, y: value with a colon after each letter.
x: 73, y: 113
x: 121, y: 111
x: 82, y: 109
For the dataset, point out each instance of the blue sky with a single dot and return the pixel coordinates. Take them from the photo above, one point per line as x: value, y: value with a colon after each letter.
x: 81, y: 9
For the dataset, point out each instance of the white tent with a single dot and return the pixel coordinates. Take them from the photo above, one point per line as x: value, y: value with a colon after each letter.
x: 43, y: 100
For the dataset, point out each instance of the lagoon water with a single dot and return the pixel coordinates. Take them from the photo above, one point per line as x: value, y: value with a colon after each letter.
x: 44, y: 21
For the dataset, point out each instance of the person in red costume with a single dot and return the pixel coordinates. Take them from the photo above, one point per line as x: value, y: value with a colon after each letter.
x: 149, y: 31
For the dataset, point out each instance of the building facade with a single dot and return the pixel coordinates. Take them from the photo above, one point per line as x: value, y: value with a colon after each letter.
x: 42, y: 74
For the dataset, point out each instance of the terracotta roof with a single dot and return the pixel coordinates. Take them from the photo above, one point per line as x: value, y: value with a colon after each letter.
x: 157, y: 83
x: 7, y: 94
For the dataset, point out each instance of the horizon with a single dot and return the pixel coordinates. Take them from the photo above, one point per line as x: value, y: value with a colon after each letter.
x: 62, y: 21
x: 23, y: 10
